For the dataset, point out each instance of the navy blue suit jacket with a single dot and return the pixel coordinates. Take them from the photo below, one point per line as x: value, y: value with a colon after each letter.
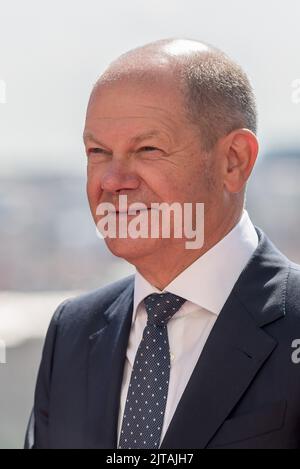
x: 244, y: 391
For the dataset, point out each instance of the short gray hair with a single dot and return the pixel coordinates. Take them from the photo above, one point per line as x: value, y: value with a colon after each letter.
x: 218, y: 96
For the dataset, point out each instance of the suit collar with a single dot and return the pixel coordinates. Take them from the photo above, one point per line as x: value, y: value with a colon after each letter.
x: 261, y: 287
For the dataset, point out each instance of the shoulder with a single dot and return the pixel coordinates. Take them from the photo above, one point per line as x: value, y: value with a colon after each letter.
x: 293, y: 288
x: 295, y: 269
x: 88, y: 306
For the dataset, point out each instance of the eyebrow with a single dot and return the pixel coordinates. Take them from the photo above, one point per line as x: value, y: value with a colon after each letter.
x: 137, y: 139
x: 89, y: 136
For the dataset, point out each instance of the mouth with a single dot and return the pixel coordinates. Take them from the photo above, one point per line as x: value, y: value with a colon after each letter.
x: 129, y: 212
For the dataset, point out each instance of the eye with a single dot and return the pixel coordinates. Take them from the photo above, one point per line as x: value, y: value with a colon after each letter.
x: 98, y: 151
x: 149, y: 149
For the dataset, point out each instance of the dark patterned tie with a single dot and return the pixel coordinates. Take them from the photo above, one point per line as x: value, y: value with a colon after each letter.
x: 148, y: 389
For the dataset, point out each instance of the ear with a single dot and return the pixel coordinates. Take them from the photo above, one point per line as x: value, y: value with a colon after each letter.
x: 239, y: 150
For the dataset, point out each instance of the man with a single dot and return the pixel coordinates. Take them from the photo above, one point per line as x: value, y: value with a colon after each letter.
x: 195, y: 350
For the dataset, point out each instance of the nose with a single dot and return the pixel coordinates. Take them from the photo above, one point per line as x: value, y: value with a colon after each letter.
x: 119, y: 176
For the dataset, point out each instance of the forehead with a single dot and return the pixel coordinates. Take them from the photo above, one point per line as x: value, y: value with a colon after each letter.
x: 133, y: 109
x: 131, y: 100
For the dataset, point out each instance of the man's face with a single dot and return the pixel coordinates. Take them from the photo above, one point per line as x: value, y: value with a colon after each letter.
x: 139, y: 144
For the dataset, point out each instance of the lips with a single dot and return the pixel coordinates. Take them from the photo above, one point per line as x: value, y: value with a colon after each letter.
x: 131, y: 212
x: 136, y: 211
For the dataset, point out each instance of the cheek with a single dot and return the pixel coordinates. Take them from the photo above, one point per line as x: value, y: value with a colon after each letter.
x: 165, y: 189
x: 175, y: 187
x: 164, y: 182
x: 202, y: 182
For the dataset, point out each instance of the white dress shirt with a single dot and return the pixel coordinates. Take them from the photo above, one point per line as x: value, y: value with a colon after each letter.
x: 206, y: 284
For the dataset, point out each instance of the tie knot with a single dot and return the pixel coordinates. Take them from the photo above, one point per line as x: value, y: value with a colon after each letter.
x: 161, y: 307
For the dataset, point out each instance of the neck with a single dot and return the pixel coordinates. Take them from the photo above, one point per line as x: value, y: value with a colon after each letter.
x: 166, y: 264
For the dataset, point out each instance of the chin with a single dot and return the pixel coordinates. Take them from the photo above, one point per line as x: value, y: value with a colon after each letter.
x: 130, y: 249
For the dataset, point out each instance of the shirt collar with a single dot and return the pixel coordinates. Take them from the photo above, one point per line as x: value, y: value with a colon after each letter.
x: 208, y: 281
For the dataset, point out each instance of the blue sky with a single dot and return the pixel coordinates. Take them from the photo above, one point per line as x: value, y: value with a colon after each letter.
x: 52, y: 52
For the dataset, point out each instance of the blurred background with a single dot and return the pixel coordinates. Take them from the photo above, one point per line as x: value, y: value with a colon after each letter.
x: 50, y: 56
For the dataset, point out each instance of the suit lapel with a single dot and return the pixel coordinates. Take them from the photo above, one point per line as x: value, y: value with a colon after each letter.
x: 234, y: 353
x: 107, y: 356
x: 236, y: 350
